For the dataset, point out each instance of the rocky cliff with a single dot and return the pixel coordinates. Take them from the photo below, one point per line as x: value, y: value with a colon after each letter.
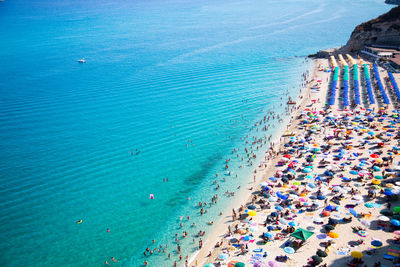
x: 384, y: 30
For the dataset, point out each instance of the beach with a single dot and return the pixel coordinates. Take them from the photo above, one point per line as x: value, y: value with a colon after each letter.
x: 316, y: 186
x: 103, y: 161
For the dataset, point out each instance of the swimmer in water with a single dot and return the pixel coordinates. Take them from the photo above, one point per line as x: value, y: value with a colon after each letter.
x: 114, y: 260
x: 80, y: 221
x: 106, y: 263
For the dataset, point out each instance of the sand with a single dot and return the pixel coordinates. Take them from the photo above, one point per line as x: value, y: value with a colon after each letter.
x: 338, y: 253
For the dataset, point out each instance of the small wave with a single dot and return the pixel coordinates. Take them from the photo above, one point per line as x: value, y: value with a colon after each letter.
x: 181, y: 58
x: 315, y: 11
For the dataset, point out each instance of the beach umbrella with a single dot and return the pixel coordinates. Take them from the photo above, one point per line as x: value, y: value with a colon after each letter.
x: 353, y: 172
x: 353, y: 212
x: 379, y: 177
x: 289, y: 250
x: 272, y: 199
x: 318, y: 220
x: 252, y: 213
x: 253, y: 229
x: 366, y: 222
x: 369, y: 205
x: 376, y: 243
x: 269, y: 235
x: 356, y: 254
x: 240, y: 264
x: 376, y: 205
x: 322, y: 236
x: 326, y: 213
x: 302, y: 234
x: 376, y: 168
x: 333, y: 235
x: 322, y: 253
x: 395, y: 222
x: 375, y: 156
x: 274, y: 264
x: 209, y: 265
x: 396, y: 232
x: 223, y: 256
x: 329, y: 227
x: 283, y: 221
x: 383, y: 218
x: 396, y: 209
x: 293, y: 223
x: 251, y: 207
x: 316, y: 259
x: 388, y: 193
x: 278, y: 208
x: 376, y: 182
x: 307, y: 170
x: 362, y: 233
x: 330, y: 208
x: 390, y: 185
x: 274, y: 214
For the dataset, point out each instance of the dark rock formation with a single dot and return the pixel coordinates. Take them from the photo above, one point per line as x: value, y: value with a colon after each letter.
x: 383, y: 30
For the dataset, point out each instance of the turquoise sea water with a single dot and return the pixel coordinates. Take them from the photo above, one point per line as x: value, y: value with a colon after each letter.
x: 158, y: 74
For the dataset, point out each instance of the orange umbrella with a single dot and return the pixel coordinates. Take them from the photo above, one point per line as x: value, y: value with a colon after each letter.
x: 326, y: 213
x: 333, y: 235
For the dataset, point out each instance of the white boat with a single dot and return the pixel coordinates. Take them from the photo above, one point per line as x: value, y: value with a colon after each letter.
x: 82, y: 60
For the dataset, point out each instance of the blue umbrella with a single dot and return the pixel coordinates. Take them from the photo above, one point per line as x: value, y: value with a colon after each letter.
x: 352, y: 211
x: 246, y: 238
x: 376, y: 243
x: 307, y: 170
x: 278, y: 208
x: 353, y: 172
x: 311, y: 185
x: 284, y: 197
x: 376, y: 168
x: 330, y: 208
x: 223, y: 256
x: 321, y: 197
x: 395, y: 222
x: 293, y: 223
x: 289, y: 250
x: 268, y: 235
x: 270, y: 228
x: 346, y: 179
x: 388, y: 193
x: 273, y: 179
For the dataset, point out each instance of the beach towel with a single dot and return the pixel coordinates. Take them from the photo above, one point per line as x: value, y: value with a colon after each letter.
x: 258, y: 250
x: 388, y: 257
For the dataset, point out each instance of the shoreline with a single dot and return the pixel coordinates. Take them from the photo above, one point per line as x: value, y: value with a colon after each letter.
x: 344, y: 177
x: 199, y: 258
